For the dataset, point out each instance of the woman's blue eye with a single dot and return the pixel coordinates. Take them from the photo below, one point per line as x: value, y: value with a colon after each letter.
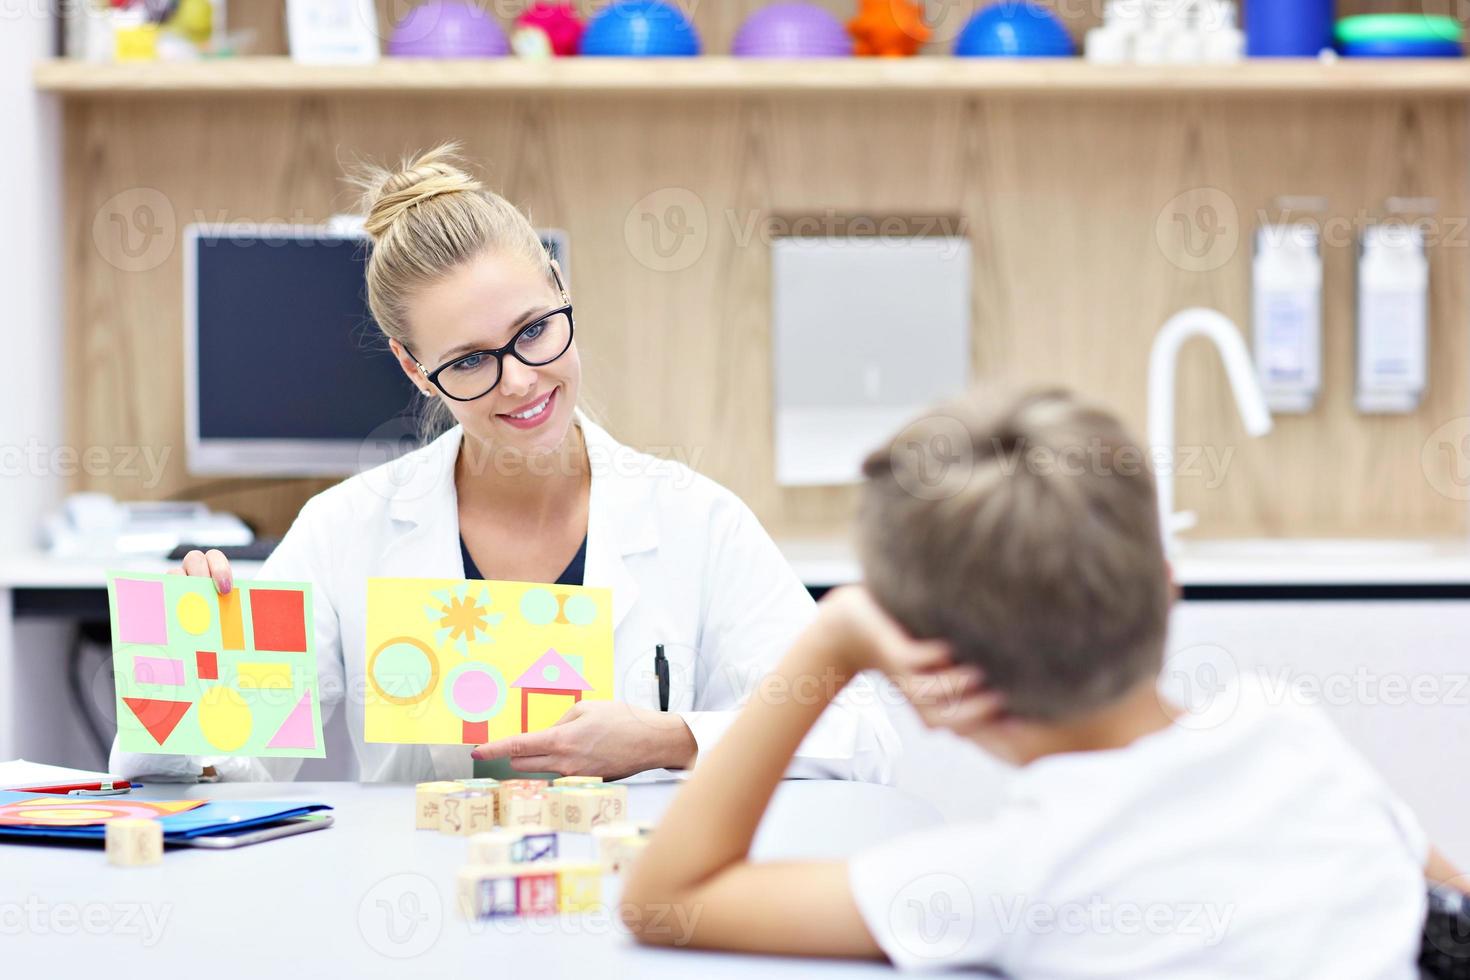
x: 472, y: 363
x: 533, y: 331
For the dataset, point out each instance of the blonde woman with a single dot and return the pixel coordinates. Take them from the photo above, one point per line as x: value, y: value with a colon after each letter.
x: 522, y: 486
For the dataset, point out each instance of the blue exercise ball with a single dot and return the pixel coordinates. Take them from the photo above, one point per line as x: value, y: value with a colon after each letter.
x: 1014, y: 30
x: 640, y: 29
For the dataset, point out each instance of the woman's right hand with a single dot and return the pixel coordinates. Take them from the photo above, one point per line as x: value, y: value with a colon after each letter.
x: 208, y: 564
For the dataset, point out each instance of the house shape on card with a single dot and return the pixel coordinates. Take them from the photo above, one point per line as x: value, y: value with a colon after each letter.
x: 550, y: 675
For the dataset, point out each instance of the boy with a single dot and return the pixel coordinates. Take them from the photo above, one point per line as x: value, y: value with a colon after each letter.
x: 1019, y: 541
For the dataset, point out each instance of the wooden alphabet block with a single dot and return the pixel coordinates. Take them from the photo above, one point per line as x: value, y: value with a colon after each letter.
x: 491, y: 786
x: 512, y: 787
x: 579, y: 887
x: 487, y: 890
x: 577, y: 781
x: 428, y: 798
x: 513, y: 845
x: 536, y: 893
x: 492, y: 847
x: 585, y: 808
x: 535, y: 844
x: 525, y: 810
x: 618, y: 844
x: 467, y: 813
x: 134, y: 842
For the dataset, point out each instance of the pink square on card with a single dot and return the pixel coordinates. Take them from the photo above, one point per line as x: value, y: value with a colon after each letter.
x: 140, y: 613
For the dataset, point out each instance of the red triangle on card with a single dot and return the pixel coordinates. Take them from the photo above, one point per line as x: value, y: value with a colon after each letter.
x: 159, y: 717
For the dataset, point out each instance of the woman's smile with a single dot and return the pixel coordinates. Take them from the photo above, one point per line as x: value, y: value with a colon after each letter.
x: 533, y: 413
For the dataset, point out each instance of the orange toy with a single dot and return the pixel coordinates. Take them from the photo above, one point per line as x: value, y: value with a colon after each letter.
x: 888, y: 28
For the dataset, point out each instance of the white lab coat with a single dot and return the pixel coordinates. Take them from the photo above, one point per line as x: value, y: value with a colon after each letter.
x: 688, y: 564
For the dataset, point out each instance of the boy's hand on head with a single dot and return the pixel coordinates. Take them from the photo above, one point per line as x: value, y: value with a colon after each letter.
x: 945, y: 695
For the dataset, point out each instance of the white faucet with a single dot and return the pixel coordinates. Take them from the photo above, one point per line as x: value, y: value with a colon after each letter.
x: 1162, y: 364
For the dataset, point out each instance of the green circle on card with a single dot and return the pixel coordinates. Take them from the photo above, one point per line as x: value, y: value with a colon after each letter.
x: 403, y: 670
x: 581, y: 610
x: 539, y: 607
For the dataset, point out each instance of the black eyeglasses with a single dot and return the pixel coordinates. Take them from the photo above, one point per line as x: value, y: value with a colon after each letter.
x: 537, y: 344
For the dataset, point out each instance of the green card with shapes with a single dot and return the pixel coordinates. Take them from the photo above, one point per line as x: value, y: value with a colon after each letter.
x: 199, y: 673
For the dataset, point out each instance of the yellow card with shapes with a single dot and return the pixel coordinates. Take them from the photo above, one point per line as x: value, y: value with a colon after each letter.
x: 452, y: 661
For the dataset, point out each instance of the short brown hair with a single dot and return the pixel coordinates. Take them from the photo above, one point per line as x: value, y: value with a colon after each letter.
x: 1025, y: 531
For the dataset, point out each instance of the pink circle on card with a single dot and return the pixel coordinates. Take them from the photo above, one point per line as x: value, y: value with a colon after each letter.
x: 475, y: 691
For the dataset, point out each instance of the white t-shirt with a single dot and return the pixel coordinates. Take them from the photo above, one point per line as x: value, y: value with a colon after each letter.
x: 1261, y: 847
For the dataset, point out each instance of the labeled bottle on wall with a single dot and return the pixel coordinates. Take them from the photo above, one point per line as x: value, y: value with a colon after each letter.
x: 1288, y: 28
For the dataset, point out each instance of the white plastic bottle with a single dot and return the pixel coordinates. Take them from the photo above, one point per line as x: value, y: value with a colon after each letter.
x: 1286, y: 303
x: 1393, y: 318
x: 1224, y: 41
x: 1186, y: 43
x: 1112, y: 43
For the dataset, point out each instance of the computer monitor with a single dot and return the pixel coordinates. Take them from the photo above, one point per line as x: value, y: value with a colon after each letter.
x: 286, y: 374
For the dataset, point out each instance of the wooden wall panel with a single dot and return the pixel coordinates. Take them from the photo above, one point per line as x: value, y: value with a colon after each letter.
x: 1062, y: 200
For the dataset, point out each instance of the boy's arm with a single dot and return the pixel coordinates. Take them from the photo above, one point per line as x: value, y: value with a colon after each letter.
x: 697, y: 866
x: 694, y: 884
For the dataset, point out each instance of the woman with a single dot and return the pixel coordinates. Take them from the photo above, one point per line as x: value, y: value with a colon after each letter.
x: 523, y: 487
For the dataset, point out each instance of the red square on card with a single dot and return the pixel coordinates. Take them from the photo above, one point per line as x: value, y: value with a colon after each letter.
x: 279, y: 620
x: 206, y: 663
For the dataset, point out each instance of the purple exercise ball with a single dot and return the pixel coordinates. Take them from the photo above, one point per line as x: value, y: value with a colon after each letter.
x: 448, y: 29
x: 792, y: 30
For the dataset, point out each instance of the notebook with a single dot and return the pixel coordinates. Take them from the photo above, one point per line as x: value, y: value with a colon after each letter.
x: 41, y: 778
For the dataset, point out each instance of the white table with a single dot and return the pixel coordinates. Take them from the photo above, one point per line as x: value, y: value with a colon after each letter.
x: 371, y: 896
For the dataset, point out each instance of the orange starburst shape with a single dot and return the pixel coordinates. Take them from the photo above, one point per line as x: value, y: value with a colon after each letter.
x: 889, y: 28
x: 463, y: 619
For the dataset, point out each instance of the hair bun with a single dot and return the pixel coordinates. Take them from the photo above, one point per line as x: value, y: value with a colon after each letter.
x: 389, y: 195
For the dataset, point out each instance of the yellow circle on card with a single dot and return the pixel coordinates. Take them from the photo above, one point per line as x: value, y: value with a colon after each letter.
x: 224, y: 718
x: 193, y: 613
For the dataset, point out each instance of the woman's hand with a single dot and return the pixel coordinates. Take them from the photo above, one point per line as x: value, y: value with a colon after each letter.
x: 600, y: 738
x: 944, y: 695
x: 208, y: 564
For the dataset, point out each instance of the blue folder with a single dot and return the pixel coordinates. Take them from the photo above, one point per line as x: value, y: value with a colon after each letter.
x: 211, y: 818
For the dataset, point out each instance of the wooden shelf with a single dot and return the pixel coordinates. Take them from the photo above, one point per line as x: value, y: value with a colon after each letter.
x: 717, y: 74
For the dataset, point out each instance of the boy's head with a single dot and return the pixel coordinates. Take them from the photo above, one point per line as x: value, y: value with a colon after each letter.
x: 1025, y: 532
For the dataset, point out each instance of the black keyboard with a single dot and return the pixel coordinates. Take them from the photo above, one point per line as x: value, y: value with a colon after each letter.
x: 258, y: 550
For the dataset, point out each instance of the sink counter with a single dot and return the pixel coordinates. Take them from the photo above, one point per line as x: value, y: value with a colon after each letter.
x: 1276, y: 563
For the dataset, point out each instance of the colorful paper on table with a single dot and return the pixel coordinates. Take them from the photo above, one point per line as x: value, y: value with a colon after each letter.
x: 20, y: 810
x: 199, y: 673
x: 28, y: 817
x: 451, y: 661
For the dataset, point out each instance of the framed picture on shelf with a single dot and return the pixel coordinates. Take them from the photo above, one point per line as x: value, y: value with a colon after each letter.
x: 333, y: 32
